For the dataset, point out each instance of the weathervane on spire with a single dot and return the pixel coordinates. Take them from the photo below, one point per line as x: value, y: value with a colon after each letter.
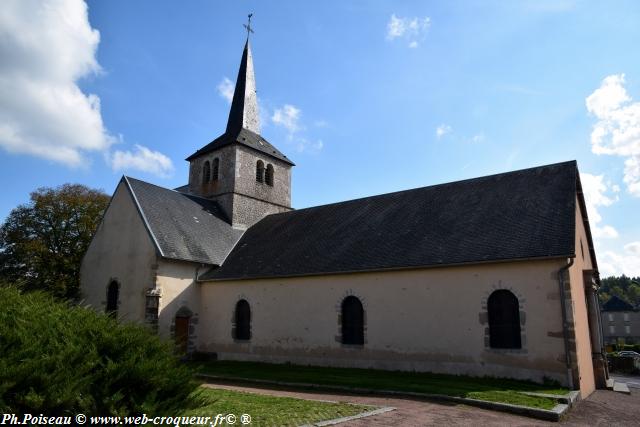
x: 248, y: 26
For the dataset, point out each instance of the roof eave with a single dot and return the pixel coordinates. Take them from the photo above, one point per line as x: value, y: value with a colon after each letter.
x: 195, y: 261
x: 235, y: 140
x: 587, y: 226
x: 386, y: 269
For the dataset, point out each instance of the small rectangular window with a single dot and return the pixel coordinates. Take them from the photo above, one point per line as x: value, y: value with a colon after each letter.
x: 612, y: 329
x: 626, y: 317
x: 627, y: 329
x: 610, y: 317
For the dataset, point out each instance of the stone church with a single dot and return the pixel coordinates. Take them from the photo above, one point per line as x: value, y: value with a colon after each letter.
x: 493, y: 276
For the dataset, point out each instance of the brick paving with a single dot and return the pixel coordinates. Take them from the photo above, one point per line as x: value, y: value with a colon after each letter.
x: 602, y: 408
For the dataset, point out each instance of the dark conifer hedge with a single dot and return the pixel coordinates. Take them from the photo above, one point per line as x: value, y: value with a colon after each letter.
x: 59, y: 359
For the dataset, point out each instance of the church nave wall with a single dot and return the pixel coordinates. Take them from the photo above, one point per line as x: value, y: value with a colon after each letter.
x: 425, y: 320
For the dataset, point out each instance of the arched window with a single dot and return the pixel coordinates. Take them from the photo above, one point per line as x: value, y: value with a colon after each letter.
x: 352, y: 321
x: 260, y: 171
x: 113, y: 293
x: 504, y: 320
x: 206, y: 172
x: 216, y: 169
x: 268, y: 176
x: 243, y: 320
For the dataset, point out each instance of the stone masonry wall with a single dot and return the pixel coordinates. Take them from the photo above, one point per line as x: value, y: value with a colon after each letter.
x: 244, y: 200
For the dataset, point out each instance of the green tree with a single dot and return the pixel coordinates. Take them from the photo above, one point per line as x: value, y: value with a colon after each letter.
x: 625, y: 288
x: 42, y: 242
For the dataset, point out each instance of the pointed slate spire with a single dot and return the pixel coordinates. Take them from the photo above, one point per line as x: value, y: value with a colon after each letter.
x: 244, y: 107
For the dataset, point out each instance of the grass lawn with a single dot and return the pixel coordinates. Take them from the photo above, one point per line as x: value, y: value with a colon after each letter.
x: 491, y: 389
x: 271, y: 410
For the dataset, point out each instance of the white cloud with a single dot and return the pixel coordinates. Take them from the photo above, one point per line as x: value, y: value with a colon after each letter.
x: 288, y: 117
x: 225, y: 89
x: 632, y: 174
x: 46, y: 47
x: 304, y: 144
x: 143, y: 159
x: 617, y: 131
x: 412, y: 30
x: 442, y: 130
x: 477, y: 138
x: 395, y: 27
x: 614, y: 264
x: 633, y: 247
x: 595, y: 195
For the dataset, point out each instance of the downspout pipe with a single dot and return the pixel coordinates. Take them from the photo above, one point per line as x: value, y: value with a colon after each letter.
x: 565, y: 323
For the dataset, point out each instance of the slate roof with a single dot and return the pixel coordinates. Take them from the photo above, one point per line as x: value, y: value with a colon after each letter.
x: 516, y: 215
x: 616, y: 304
x: 182, y: 188
x: 246, y: 138
x: 244, y: 112
x: 184, y: 227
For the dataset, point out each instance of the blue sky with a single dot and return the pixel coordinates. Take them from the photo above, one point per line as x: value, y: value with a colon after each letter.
x: 365, y: 97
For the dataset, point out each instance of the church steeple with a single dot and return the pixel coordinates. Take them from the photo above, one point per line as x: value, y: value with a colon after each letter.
x: 244, y: 107
x: 240, y: 170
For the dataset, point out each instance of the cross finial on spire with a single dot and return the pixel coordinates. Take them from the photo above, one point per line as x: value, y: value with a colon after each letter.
x: 244, y: 105
x: 248, y: 26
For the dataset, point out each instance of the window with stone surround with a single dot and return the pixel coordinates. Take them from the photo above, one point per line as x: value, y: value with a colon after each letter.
x: 504, y: 320
x: 206, y: 172
x: 242, y: 321
x: 113, y: 294
x: 216, y: 169
x: 352, y: 321
x: 260, y: 171
x: 268, y: 176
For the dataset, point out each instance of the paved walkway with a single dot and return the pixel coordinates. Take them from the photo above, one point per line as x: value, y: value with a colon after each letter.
x: 603, y: 408
x: 633, y: 381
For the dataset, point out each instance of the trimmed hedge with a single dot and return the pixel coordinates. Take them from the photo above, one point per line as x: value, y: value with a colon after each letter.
x: 59, y: 359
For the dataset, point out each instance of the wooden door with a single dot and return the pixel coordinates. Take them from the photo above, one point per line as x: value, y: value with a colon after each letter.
x: 182, y: 334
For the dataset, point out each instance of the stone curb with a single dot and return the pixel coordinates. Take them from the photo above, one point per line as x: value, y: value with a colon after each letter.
x: 569, y: 398
x: 351, y: 418
x: 554, y: 414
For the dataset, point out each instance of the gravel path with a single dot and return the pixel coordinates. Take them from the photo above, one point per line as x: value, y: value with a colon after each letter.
x: 602, y: 408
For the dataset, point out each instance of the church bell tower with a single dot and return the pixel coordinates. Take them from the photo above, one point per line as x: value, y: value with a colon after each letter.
x: 247, y: 176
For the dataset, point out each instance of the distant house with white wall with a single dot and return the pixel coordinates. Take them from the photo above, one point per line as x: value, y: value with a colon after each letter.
x: 489, y: 276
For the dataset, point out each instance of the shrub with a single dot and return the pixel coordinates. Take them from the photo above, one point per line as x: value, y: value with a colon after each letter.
x: 59, y: 359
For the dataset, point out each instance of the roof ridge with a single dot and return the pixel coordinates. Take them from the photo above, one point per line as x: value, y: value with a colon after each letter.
x: 427, y: 186
x: 142, y: 213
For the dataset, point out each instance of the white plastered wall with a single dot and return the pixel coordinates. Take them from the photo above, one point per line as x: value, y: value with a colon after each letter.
x: 425, y: 320
x: 121, y: 250
x: 176, y: 280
